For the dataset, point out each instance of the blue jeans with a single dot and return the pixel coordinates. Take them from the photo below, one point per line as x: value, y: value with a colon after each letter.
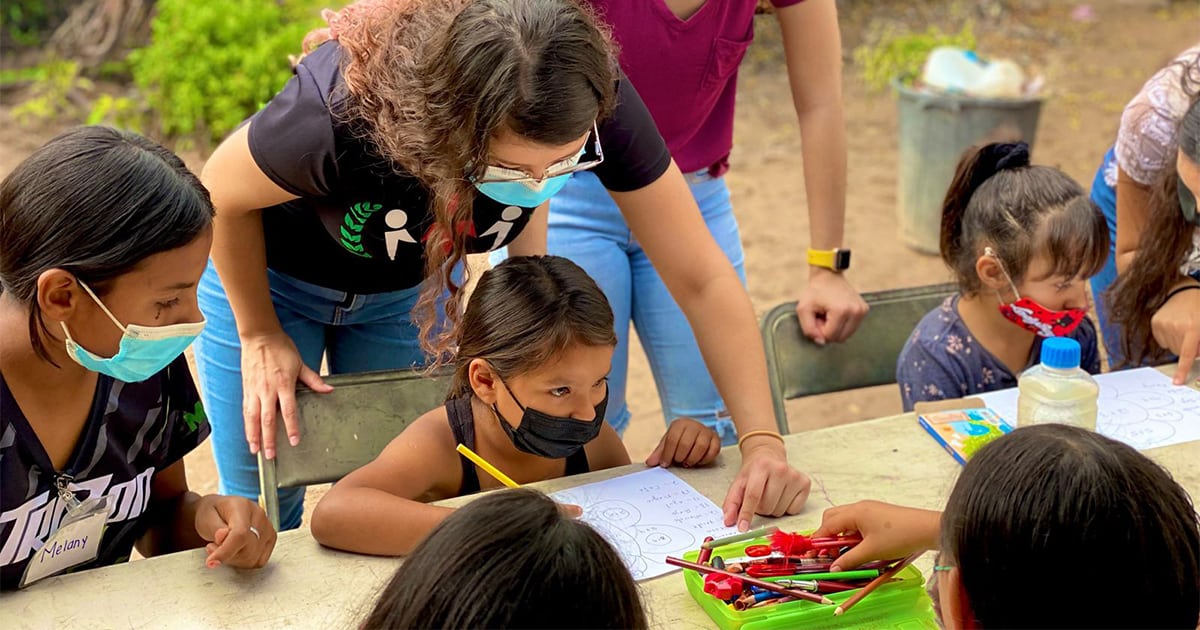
x: 356, y: 333
x: 1105, y: 197
x: 587, y: 227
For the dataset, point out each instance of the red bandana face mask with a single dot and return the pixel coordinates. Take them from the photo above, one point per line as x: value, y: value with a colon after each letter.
x: 1034, y: 317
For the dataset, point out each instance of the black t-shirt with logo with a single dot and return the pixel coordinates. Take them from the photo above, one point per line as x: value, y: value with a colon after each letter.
x: 358, y: 225
x: 133, y: 431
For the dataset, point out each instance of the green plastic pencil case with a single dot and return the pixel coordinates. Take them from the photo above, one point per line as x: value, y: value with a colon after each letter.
x: 901, y: 604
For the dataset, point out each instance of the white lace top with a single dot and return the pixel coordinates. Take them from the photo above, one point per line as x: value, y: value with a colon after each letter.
x: 1147, y: 141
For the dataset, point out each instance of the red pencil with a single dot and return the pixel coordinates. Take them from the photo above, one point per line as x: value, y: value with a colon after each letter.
x: 774, y: 588
x: 886, y: 576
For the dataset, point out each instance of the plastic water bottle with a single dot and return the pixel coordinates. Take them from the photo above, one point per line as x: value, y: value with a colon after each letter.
x: 1057, y: 390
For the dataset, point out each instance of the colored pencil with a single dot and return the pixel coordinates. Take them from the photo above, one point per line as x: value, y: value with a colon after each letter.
x: 754, y: 533
x: 876, y: 583
x: 819, y: 586
x: 774, y: 588
x: 866, y: 574
x: 488, y: 468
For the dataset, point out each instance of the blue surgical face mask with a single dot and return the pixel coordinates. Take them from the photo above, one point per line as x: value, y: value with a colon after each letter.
x: 526, y: 193
x: 144, y: 350
x: 516, y: 188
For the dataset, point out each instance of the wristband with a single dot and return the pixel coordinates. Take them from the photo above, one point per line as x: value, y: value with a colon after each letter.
x: 751, y: 434
x: 837, y: 260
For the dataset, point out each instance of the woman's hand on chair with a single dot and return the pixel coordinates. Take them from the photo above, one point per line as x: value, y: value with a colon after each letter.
x: 271, y: 365
x: 829, y: 309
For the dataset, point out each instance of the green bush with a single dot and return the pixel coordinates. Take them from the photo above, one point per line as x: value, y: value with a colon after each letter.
x: 211, y: 64
x: 902, y: 55
x: 26, y: 23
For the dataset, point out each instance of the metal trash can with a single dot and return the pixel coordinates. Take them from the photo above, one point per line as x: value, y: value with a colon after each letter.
x: 935, y: 130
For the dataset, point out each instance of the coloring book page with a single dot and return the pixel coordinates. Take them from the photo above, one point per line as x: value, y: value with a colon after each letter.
x: 647, y: 516
x: 1138, y: 407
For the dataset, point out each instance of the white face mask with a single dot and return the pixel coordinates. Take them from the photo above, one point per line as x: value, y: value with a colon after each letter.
x: 144, y: 350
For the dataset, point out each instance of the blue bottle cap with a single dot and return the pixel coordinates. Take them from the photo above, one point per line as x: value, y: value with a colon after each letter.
x: 1061, y: 353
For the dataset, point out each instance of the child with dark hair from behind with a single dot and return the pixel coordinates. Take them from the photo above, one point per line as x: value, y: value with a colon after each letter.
x: 510, y: 559
x: 1050, y: 526
x: 1022, y: 241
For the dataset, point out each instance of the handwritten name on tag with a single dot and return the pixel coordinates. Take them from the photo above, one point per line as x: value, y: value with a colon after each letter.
x: 72, y: 544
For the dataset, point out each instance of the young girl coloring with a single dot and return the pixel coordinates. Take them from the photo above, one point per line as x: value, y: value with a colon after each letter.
x: 529, y: 393
x: 1022, y: 241
x: 103, y: 237
x: 1040, y: 524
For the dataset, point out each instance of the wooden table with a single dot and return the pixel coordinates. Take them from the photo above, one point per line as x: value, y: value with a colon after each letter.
x: 308, y: 586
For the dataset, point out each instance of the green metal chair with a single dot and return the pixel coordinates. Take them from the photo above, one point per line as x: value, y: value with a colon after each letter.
x: 798, y: 367
x: 346, y: 428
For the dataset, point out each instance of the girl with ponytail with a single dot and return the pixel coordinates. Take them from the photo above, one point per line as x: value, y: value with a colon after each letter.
x: 1022, y: 242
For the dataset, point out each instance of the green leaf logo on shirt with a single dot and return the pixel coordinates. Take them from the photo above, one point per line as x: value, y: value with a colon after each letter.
x: 194, y: 418
x: 352, y: 227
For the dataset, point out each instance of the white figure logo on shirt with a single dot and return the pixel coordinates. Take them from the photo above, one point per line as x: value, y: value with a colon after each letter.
x: 396, y: 219
x: 505, y: 225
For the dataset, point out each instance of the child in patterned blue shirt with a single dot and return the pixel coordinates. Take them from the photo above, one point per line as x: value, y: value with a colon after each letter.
x: 1022, y: 242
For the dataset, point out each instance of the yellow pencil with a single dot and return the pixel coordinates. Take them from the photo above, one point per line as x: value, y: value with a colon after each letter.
x: 488, y: 468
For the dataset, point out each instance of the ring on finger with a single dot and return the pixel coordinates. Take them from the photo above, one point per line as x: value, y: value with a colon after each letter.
x: 254, y: 530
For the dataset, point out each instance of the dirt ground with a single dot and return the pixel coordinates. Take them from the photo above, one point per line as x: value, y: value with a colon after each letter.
x: 1091, y: 70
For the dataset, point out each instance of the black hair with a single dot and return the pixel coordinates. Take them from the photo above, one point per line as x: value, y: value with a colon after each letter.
x: 510, y: 559
x: 527, y: 310
x: 1163, y: 247
x: 998, y: 200
x: 1053, y: 526
x: 95, y: 202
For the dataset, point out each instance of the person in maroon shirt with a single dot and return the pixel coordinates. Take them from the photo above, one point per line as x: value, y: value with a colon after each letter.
x: 683, y: 56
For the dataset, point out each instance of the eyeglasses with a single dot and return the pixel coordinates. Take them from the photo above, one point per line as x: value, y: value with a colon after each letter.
x: 496, y: 174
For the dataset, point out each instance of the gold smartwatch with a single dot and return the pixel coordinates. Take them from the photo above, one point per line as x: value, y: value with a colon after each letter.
x: 837, y: 260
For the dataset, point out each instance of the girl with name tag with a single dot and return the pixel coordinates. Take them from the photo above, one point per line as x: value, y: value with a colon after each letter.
x: 1022, y: 241
x: 529, y: 392
x: 103, y: 237
x: 1050, y: 526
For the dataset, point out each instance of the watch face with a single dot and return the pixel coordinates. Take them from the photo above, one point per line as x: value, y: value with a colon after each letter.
x: 841, y: 259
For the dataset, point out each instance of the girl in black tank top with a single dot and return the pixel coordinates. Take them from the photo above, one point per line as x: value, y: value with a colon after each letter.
x: 529, y: 394
x: 462, y: 424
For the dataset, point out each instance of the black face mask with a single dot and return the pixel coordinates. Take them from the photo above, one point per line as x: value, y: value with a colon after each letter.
x: 550, y: 436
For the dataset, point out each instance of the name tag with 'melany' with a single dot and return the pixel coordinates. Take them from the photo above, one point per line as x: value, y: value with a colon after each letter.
x: 76, y: 541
